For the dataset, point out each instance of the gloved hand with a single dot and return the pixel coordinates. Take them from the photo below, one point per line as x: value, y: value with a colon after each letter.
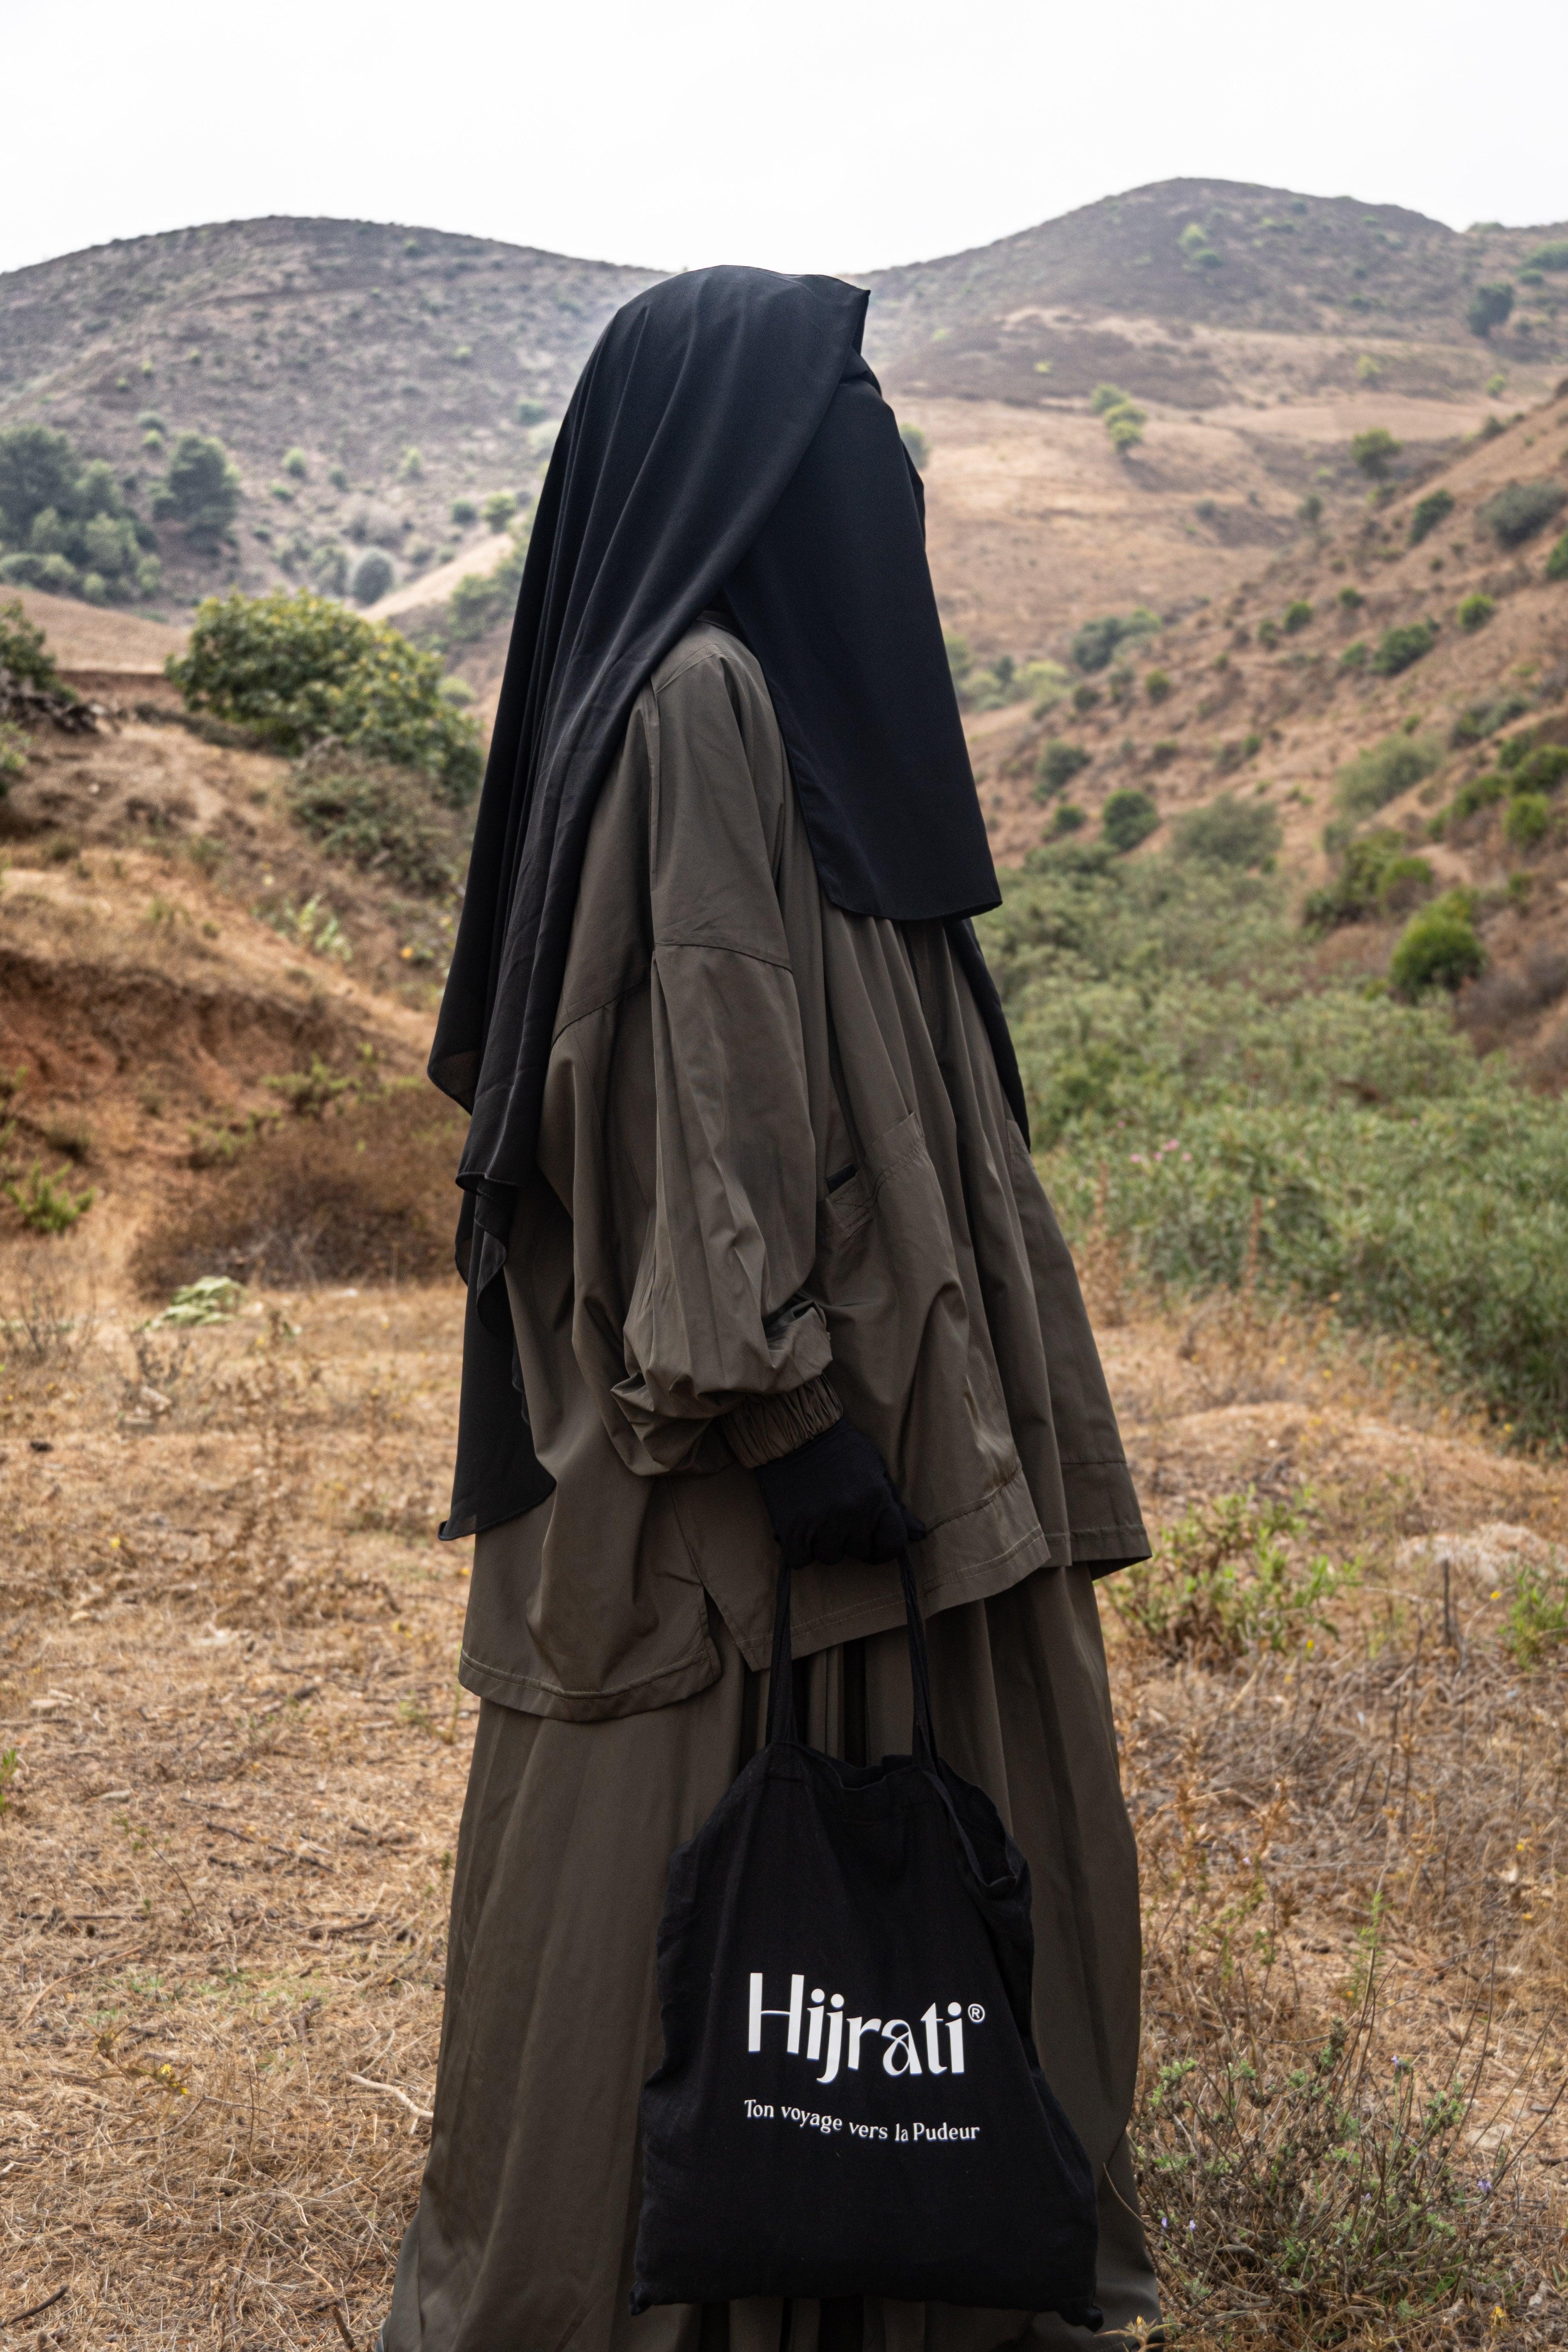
x: 832, y: 1499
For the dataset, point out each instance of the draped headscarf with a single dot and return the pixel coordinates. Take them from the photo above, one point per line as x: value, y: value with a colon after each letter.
x: 725, y: 445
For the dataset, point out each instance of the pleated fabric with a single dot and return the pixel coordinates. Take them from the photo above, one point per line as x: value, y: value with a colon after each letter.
x: 524, y: 2230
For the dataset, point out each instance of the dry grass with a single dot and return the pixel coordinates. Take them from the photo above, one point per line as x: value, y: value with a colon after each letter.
x: 225, y: 1852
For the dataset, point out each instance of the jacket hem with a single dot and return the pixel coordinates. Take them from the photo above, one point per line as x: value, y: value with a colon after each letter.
x: 531, y: 1694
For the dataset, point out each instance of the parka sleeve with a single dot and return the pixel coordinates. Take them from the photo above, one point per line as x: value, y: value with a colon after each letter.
x: 717, y: 1323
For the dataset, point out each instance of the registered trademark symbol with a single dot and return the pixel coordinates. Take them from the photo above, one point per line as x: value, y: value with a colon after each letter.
x: 976, y: 2014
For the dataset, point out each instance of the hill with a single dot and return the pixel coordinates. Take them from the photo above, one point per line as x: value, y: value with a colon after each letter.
x: 355, y: 342
x: 404, y: 372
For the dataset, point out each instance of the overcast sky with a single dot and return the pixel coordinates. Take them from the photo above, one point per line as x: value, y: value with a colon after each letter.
x: 827, y: 135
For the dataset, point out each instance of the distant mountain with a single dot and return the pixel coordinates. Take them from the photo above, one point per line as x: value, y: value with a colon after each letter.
x: 1189, y: 291
x: 412, y: 370
x: 354, y: 342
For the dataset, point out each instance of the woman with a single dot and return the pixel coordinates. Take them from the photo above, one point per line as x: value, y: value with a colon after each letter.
x: 755, y: 1256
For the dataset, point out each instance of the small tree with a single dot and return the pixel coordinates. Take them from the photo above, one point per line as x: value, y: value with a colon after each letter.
x: 372, y: 576
x: 1128, y: 818
x: 1060, y: 764
x: 1517, y: 512
x: 498, y: 510
x: 1375, y: 452
x: 1490, y: 305
x: 201, y: 486
x: 37, y: 470
x: 1124, y: 424
x: 1438, y: 948
x: 1428, y: 512
x: 463, y: 512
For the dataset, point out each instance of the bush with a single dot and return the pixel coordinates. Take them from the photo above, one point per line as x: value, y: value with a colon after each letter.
x: 1438, y: 948
x: 1489, y: 307
x: 1378, y: 876
x: 295, y: 463
x: 1428, y: 512
x: 81, y: 540
x: 411, y: 465
x: 1229, y: 1580
x: 1059, y: 762
x: 1375, y: 452
x: 1542, y: 768
x: 463, y: 512
x: 38, y: 469
x: 1242, y: 834
x: 1124, y: 424
x: 200, y: 488
x: 1157, y: 684
x: 1521, y: 509
x: 532, y: 411
x: 1397, y: 648
x: 498, y: 510
x: 917, y: 445
x: 298, y: 669
x: 1350, y: 600
x: 1068, y: 818
x: 25, y: 652
x: 1094, y: 644
x: 1296, y: 615
x: 1379, y: 774
x: 362, y: 1193
x: 1474, y: 612
x: 1128, y: 818
x: 372, y: 576
x: 375, y: 816
x: 47, y: 1205
x: 329, y: 569
x: 1553, y: 256
x: 1557, y: 562
x: 1528, y: 822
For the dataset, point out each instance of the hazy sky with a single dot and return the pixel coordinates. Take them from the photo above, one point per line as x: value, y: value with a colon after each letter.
x: 827, y: 134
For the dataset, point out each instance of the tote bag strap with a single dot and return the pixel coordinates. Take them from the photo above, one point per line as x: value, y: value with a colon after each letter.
x: 780, y: 1722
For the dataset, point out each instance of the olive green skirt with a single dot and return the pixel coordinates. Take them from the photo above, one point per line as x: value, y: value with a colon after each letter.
x: 523, y: 2235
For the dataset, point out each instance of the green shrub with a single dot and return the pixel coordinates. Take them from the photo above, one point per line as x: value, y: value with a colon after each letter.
x: 38, y: 468
x: 411, y: 465
x: 1398, y: 647
x: 1230, y: 1579
x: 1383, y: 771
x: 498, y: 510
x: 1375, y: 452
x: 47, y: 1205
x: 1094, y: 644
x: 1296, y: 615
x: 1124, y: 424
x: 917, y: 444
x: 1378, y: 876
x: 1542, y: 768
x: 1557, y: 562
x: 298, y: 669
x: 1481, y: 791
x: 1528, y: 821
x: 1356, y: 655
x: 1474, y: 612
x: 1157, y: 684
x: 338, y: 477
x: 1518, y: 513
x: 463, y: 512
x: 1243, y: 833
x: 372, y: 576
x: 1438, y: 948
x: 25, y: 652
x: 201, y: 486
x: 532, y: 411
x: 1085, y: 697
x: 1128, y: 818
x: 1428, y: 512
x: 330, y: 568
x: 1059, y: 762
x: 1478, y: 719
x: 295, y: 463
x: 375, y: 816
x: 1350, y: 600
x: 1105, y: 398
x: 1553, y: 256
x: 1068, y: 818
x: 1268, y: 635
x: 1490, y: 306
x: 13, y: 758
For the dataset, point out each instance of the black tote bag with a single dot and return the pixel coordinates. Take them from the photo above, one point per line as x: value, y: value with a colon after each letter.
x: 850, y: 2102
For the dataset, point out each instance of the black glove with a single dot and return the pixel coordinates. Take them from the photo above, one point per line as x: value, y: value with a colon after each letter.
x: 832, y: 1499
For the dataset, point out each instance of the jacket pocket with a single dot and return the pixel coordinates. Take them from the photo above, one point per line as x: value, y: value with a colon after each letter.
x: 912, y: 1368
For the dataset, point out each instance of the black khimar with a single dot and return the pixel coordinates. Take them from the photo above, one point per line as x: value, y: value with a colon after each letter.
x: 725, y: 442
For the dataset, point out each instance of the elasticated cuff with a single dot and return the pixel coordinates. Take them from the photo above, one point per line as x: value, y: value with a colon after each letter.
x: 768, y: 1428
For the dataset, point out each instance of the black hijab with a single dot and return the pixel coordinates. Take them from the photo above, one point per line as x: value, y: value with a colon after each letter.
x: 725, y: 442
